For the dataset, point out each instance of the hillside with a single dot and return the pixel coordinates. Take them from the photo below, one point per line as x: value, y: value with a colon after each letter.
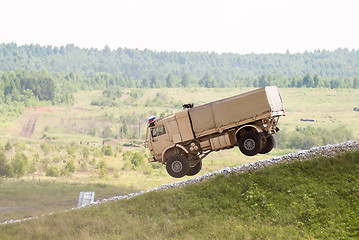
x: 305, y: 199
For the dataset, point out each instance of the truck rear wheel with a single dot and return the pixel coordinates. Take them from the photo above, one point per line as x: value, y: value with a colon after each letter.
x: 268, y: 146
x: 195, y: 169
x: 177, y: 166
x: 250, y: 144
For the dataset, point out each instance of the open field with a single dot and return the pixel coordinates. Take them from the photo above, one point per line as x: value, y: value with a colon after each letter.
x: 329, y: 107
x: 33, y: 197
x: 74, y: 134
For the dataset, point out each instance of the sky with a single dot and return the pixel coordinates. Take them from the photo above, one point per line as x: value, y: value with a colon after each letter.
x: 237, y: 26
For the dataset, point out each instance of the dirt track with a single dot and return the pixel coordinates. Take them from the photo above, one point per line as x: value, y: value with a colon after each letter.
x: 30, y: 123
x: 29, y: 126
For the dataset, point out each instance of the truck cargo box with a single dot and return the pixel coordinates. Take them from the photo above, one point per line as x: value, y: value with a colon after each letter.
x: 221, y: 114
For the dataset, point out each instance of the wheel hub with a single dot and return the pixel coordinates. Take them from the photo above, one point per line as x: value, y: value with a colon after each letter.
x: 176, y: 166
x: 249, y: 144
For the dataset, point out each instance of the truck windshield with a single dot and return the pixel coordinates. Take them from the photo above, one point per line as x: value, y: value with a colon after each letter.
x: 158, y: 131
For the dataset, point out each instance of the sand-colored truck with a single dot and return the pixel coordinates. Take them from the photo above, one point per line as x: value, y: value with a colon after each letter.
x: 183, y: 139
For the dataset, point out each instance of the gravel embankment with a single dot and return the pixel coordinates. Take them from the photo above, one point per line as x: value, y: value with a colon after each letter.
x: 327, y: 150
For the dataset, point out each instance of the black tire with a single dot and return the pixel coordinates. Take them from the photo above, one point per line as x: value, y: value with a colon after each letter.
x: 268, y: 146
x: 250, y: 144
x: 195, y: 169
x: 177, y: 166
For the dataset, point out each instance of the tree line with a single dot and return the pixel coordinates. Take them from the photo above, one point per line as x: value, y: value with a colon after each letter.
x: 140, y: 64
x: 32, y: 87
x: 34, y: 73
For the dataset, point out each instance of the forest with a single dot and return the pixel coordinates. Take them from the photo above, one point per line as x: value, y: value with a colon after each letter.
x: 31, y: 73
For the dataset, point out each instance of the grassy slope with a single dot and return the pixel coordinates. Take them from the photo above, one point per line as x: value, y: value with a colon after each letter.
x: 310, y: 199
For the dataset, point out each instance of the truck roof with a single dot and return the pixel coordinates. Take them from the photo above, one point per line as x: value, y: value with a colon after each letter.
x: 261, y: 102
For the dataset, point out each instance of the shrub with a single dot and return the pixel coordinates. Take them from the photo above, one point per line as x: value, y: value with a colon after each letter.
x: 19, y: 164
x: 92, y: 132
x: 97, y: 153
x: 92, y: 162
x: 102, y: 169
x: 136, y: 94
x: 8, y: 146
x: 33, y: 166
x: 119, y: 149
x: 107, y: 150
x: 20, y: 146
x: 71, y: 150
x: 137, y: 159
x: 156, y: 165
x: 112, y: 92
x: 45, y: 148
x: 36, y: 157
x: 56, y: 159
x: 103, y: 173
x: 85, y: 152
x: 133, y: 160
x: 5, y: 167
x: 70, y: 166
x: 46, y: 161
x: 64, y: 172
x: 52, y: 171
x: 102, y: 164
x: 116, y: 175
x: 133, y: 142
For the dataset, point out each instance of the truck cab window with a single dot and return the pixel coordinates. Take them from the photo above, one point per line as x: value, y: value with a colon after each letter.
x: 158, y: 131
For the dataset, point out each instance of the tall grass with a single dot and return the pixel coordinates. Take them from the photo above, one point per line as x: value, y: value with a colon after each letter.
x: 317, y: 199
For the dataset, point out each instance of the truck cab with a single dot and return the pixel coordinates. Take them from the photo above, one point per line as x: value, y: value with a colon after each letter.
x: 158, y: 140
x: 168, y: 133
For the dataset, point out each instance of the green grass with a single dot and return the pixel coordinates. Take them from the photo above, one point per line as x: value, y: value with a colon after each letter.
x: 316, y: 199
x: 31, y: 197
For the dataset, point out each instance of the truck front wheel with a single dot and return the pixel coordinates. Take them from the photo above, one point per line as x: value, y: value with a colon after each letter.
x: 250, y: 144
x: 177, y: 166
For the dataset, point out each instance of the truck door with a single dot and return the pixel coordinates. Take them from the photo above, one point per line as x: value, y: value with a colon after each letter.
x: 159, y: 140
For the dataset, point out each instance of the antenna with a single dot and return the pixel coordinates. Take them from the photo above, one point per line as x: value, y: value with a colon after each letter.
x: 187, y: 106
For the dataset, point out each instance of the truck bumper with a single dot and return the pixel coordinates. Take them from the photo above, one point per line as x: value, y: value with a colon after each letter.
x: 151, y: 159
